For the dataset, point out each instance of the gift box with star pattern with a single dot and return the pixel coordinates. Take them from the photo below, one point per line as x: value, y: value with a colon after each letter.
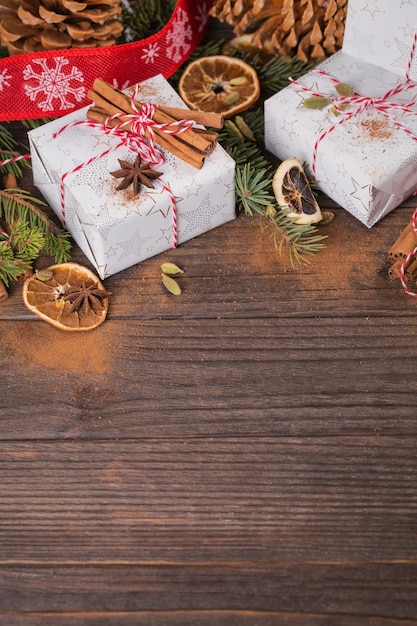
x: 361, y: 147
x: 72, y: 164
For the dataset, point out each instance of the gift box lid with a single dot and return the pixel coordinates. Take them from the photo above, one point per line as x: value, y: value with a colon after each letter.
x: 383, y: 33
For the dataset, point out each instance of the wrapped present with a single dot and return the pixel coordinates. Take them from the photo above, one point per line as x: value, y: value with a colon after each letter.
x: 353, y: 118
x: 78, y: 164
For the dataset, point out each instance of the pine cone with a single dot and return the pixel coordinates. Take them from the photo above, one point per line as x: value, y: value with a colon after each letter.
x: 308, y: 29
x: 36, y: 25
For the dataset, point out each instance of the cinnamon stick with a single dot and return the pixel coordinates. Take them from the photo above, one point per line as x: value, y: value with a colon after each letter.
x: 122, y: 101
x: 411, y: 269
x: 192, y: 158
x: 213, y: 120
x: 395, y: 270
x: 405, y: 242
x: 3, y: 292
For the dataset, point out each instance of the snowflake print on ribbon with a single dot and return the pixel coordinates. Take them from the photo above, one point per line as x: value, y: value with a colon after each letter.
x: 176, y: 37
x: 120, y: 86
x: 4, y: 79
x: 53, y: 83
x: 150, y: 53
x: 202, y: 17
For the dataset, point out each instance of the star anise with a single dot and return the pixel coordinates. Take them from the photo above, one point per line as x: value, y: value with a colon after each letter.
x: 136, y: 174
x: 84, y: 298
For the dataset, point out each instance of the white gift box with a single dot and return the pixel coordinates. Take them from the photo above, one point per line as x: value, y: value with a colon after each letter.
x: 117, y: 229
x: 365, y: 157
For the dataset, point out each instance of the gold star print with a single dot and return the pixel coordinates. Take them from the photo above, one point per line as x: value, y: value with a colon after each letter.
x: 161, y: 202
x: 193, y: 189
x: 166, y: 233
x: 358, y: 189
x: 102, y: 270
x: 111, y: 252
x: 289, y: 128
x: 372, y: 9
x: 408, y: 31
x: 101, y: 139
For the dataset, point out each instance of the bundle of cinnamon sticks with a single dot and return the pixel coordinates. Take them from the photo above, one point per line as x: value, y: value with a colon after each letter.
x: 401, y: 248
x: 191, y: 145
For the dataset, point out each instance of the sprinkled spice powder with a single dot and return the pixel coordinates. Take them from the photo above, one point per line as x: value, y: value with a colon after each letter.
x: 376, y: 128
x: 40, y: 345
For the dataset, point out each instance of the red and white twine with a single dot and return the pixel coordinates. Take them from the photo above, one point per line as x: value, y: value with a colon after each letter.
x: 20, y: 157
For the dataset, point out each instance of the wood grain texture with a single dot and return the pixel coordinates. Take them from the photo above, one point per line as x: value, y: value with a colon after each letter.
x: 244, y: 454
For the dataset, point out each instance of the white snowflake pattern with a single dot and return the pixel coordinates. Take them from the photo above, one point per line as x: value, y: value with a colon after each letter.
x: 202, y: 17
x: 122, y: 86
x: 53, y: 83
x: 150, y: 53
x: 177, y: 36
x: 4, y: 79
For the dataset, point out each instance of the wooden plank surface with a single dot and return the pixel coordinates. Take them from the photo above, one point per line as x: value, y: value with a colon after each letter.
x: 242, y: 454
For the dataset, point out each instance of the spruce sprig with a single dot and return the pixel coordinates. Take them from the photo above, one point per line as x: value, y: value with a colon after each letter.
x: 252, y: 188
x: 255, y: 197
x: 8, y: 150
x: 27, y: 231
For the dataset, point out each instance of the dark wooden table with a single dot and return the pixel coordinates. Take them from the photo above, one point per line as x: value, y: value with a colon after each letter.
x: 244, y: 453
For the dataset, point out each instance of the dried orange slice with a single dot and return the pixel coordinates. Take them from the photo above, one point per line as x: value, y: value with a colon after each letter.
x: 219, y: 84
x: 68, y: 296
x: 292, y: 190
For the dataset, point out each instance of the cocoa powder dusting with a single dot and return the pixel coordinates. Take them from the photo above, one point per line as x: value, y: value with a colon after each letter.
x: 42, y: 345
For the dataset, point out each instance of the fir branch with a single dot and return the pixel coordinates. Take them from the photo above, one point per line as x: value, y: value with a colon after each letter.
x: 143, y: 18
x: 255, y: 196
x: 301, y: 241
x: 17, y: 205
x: 8, y: 150
x: 26, y: 241
x: 252, y: 190
x: 11, y: 267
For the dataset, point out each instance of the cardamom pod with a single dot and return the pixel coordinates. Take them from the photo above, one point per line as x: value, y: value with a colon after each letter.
x: 327, y: 217
x: 270, y: 211
x: 244, y: 128
x: 316, y: 102
x: 344, y: 90
x: 171, y: 285
x: 232, y: 97
x: 171, y: 268
x: 238, y: 80
x: 44, y: 275
x: 232, y: 129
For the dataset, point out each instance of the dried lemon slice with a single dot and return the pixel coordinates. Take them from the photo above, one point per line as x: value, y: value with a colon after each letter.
x: 219, y: 84
x: 68, y: 296
x: 292, y: 190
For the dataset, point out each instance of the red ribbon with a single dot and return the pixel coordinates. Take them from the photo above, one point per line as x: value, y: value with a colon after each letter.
x: 54, y: 83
